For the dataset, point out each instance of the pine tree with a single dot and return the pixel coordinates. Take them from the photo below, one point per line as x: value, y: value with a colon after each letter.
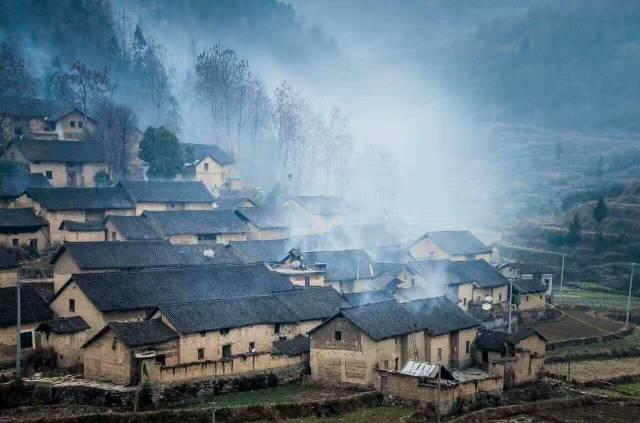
x: 139, y: 47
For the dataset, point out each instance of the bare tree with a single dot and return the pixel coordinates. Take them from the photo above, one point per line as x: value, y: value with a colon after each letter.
x: 260, y: 109
x: 157, y: 73
x: 15, y: 81
x: 287, y: 122
x: 86, y: 84
x: 123, y: 31
x: 334, y: 142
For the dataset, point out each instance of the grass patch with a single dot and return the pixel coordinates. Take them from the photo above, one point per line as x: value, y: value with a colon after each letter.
x: 380, y: 414
x: 631, y: 389
x: 582, y: 296
x: 616, y: 346
x: 277, y: 395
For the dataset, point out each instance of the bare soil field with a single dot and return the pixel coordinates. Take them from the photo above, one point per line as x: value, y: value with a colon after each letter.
x: 577, y: 324
x: 606, y: 412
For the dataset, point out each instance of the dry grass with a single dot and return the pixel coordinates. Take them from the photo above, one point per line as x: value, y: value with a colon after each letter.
x: 587, y: 371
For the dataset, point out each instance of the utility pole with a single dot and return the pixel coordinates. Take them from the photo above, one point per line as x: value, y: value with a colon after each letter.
x: 438, y: 394
x: 18, y: 324
x: 561, y: 279
x: 626, y: 325
x: 510, y: 302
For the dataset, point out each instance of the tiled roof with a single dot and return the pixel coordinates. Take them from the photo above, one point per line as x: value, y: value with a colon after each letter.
x: 492, y: 340
x: 64, y: 325
x: 196, y: 222
x: 390, y: 254
x: 144, y: 254
x: 457, y: 242
x: 61, y: 151
x: 200, y: 151
x: 6, y: 260
x: 267, y: 251
x: 226, y: 313
x: 322, y: 204
x: 25, y: 107
x: 13, y: 186
x: 20, y: 220
x: 73, y: 226
x: 232, y: 203
x: 33, y: 307
x: 342, y: 265
x: 275, y: 217
x: 292, y: 347
x: 442, y: 315
x: 167, y: 191
x: 147, y: 289
x: 457, y: 272
x: 312, y: 303
x: 367, y: 297
x: 133, y: 228
x: 138, y: 334
x: 529, y: 286
x: 98, y: 198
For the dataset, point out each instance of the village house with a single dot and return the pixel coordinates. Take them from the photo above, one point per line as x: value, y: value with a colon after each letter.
x: 198, y: 226
x: 211, y: 166
x: 529, y: 297
x: 100, y: 298
x: 8, y: 270
x: 527, y: 272
x: 34, y: 310
x: 330, y: 209
x: 82, y: 231
x: 168, y: 195
x: 22, y: 228
x: 350, y: 346
x: 101, y: 257
x: 56, y: 205
x: 129, y: 228
x: 346, y: 270
x: 522, y: 353
x: 64, y: 163
x: 449, y: 245
x: 65, y: 336
x: 43, y: 119
x: 14, y: 185
x: 266, y: 223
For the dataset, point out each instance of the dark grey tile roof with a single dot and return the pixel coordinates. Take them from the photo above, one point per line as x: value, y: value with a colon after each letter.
x: 292, y: 347
x: 133, y: 228
x: 167, y: 191
x: 275, y: 217
x: 457, y: 272
x: 529, y: 268
x: 99, y: 198
x: 195, y: 222
x: 144, y: 254
x: 312, y: 303
x: 457, y: 242
x: 147, y: 289
x: 64, y: 325
x: 138, y: 334
x: 73, y: 226
x: 526, y: 286
x: 33, y: 307
x: 268, y: 251
x: 342, y: 265
x: 61, y: 151
x: 393, y: 269
x: 492, y: 340
x: 20, y: 220
x: 203, y: 150
x: 322, y: 204
x: 368, y: 297
x: 13, y: 186
x: 525, y: 332
x: 389, y: 318
x: 6, y: 260
x: 232, y: 203
x: 226, y: 313
x: 24, y: 107
x: 390, y: 254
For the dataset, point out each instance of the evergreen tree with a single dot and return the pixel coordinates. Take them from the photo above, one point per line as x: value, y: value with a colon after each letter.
x: 139, y: 47
x: 575, y: 231
x: 161, y: 150
x: 600, y: 210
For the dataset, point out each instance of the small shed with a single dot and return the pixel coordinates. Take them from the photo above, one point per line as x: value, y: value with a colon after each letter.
x: 66, y: 336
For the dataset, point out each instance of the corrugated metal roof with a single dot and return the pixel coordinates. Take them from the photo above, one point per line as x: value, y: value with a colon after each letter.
x: 420, y: 369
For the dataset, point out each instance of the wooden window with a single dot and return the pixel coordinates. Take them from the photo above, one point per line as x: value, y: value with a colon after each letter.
x: 439, y: 353
x: 276, y: 328
x: 26, y: 340
x: 72, y: 123
x: 48, y: 174
x: 72, y: 305
x: 337, y: 336
x: 466, y: 347
x: 114, y: 343
x: 201, y: 353
x: 226, y: 351
x: 203, y: 334
x: 252, y: 347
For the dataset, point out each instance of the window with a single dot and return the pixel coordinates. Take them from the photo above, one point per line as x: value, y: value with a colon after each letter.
x: 466, y: 347
x: 161, y: 359
x: 72, y: 305
x: 172, y: 205
x: 48, y: 174
x: 80, y: 124
x: 282, y: 338
x: 72, y: 123
x: 252, y: 347
x: 206, y: 167
x: 114, y: 343
x: 485, y: 356
x: 478, y: 298
x: 439, y: 353
x: 276, y: 328
x: 397, y: 363
x: 33, y: 243
x: 51, y: 126
x: 385, y: 364
x: 337, y: 336
x: 540, y: 296
x: 224, y: 331
x: 14, y: 242
x: 226, y: 351
x: 464, y: 301
x: 203, y: 334
x: 307, y: 281
x: 201, y: 353
x: 413, y: 282
x: 26, y: 340
x: 526, y: 298
x: 500, y: 297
